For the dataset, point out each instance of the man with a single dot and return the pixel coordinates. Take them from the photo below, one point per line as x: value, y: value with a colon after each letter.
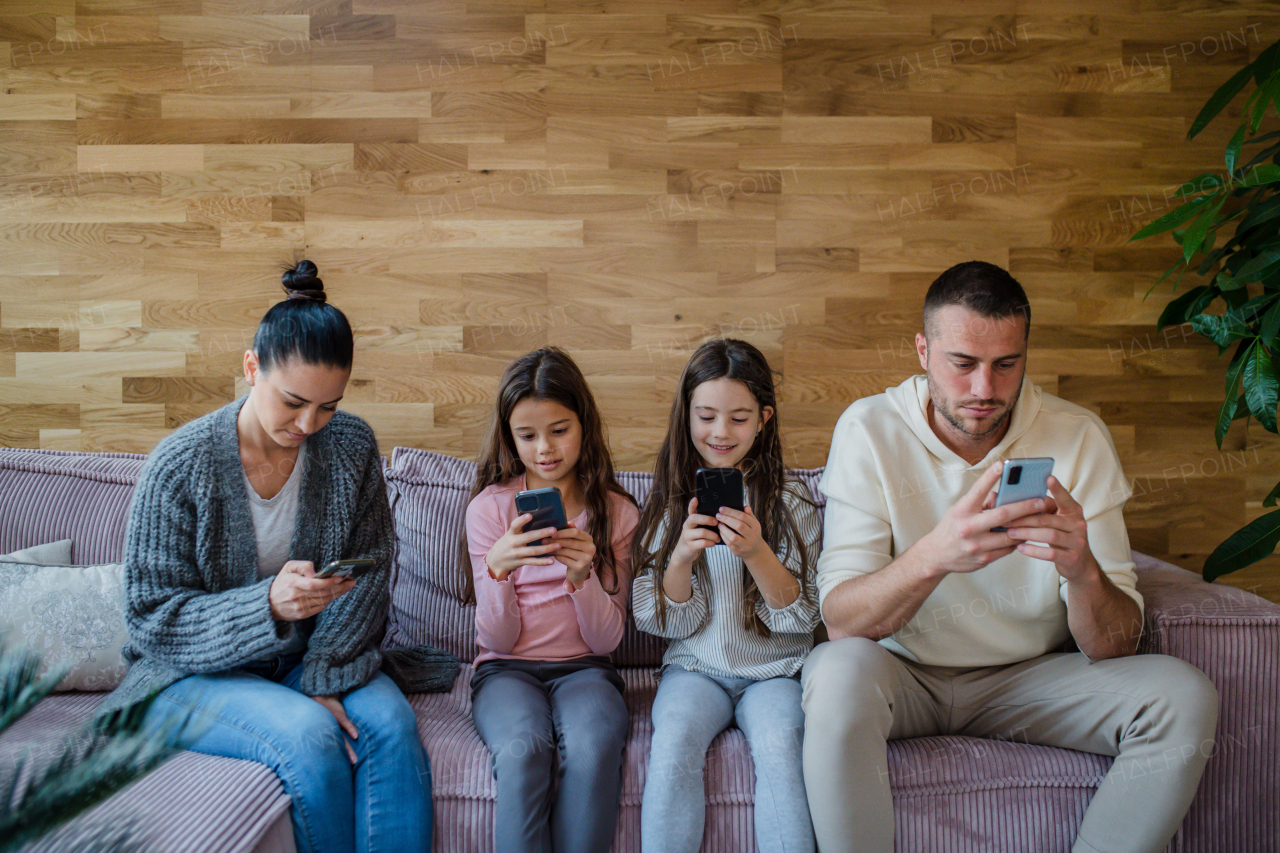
x: 942, y: 625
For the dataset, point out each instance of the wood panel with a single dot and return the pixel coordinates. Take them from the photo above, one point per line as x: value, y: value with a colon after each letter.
x: 477, y: 179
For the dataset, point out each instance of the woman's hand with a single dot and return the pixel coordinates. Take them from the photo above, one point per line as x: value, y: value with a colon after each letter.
x: 334, y: 704
x: 697, y: 535
x: 577, y: 551
x: 740, y: 531
x: 296, y: 593
x: 512, y: 550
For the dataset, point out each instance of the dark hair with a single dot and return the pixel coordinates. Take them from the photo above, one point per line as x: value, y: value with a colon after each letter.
x: 983, y: 288
x: 550, y: 374
x: 678, y: 462
x: 304, y: 325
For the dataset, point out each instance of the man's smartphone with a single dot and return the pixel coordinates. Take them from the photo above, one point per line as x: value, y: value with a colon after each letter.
x: 718, y: 488
x: 347, y: 568
x: 547, y: 508
x: 1023, y: 479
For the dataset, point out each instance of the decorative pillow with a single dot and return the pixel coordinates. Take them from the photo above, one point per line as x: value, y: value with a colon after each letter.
x: 67, y: 614
x: 50, y: 554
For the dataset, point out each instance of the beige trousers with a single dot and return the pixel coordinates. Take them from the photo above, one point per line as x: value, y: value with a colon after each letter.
x: 1155, y: 714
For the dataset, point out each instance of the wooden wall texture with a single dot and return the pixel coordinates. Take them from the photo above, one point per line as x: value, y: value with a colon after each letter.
x: 624, y: 178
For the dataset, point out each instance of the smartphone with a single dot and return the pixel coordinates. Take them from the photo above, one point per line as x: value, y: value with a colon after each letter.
x: 546, y: 507
x: 1023, y: 479
x: 347, y: 568
x: 718, y: 488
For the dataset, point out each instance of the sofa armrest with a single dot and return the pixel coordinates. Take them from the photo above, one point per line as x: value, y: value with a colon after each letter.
x: 1233, y: 637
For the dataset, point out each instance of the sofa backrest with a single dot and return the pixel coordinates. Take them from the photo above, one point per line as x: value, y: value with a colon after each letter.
x: 48, y: 495
x: 429, y: 500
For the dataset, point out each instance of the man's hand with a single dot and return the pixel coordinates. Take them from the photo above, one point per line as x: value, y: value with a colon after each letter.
x: 963, y: 540
x: 296, y: 593
x: 1063, y: 530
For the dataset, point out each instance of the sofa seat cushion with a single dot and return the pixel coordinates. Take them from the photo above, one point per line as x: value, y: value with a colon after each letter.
x: 931, y: 777
x: 191, y: 802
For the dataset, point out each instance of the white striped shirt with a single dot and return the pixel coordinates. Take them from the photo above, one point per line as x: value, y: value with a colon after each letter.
x: 707, y: 632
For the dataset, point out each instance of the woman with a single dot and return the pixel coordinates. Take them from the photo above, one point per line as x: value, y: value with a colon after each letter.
x: 234, y: 515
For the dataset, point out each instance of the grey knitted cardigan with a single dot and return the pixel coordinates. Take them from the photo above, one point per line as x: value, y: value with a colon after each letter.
x: 193, y: 600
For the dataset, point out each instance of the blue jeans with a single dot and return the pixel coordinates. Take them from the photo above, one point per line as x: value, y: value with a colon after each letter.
x: 690, y: 710
x: 380, y: 803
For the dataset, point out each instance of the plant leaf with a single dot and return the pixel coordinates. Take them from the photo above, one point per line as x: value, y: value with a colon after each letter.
x: 1184, y: 306
x: 1264, y: 212
x: 1270, y: 499
x: 1232, y: 154
x: 1270, y: 326
x: 1172, y: 219
x: 1199, y: 184
x: 1248, y: 545
x: 1233, y: 403
x: 1223, y: 330
x: 1260, y: 387
x: 1267, y: 173
x: 1267, y: 255
x: 1266, y: 65
x: 1219, y: 100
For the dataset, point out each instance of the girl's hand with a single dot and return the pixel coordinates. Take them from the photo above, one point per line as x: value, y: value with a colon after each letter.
x: 741, y: 532
x: 296, y: 593
x: 577, y: 551
x: 334, y: 704
x: 697, y: 535
x: 512, y: 550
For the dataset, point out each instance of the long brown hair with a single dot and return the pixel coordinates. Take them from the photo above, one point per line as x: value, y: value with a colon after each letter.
x: 764, y: 472
x: 550, y: 374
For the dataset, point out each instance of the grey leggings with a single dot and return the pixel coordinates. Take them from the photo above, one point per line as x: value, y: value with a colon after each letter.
x: 689, y: 711
x: 529, y: 713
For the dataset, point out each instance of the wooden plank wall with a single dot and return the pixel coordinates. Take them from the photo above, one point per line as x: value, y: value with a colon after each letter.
x: 624, y: 178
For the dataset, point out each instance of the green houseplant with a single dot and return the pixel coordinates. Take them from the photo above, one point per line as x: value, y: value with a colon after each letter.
x: 63, y: 779
x: 1229, y: 233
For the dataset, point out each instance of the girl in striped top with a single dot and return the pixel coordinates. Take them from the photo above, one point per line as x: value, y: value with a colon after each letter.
x: 734, y: 593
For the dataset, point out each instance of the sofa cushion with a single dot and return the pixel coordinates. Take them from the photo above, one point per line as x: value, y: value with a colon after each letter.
x: 1047, y: 787
x: 191, y: 802
x: 49, y: 554
x: 54, y: 488
x: 67, y: 615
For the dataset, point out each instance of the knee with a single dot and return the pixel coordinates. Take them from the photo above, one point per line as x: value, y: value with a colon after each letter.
x: 523, y: 752
x: 388, y: 722
x: 314, y: 745
x: 844, y: 681
x: 1186, y: 694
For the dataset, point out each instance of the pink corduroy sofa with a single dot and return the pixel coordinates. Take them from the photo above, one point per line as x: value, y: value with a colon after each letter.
x: 951, y: 794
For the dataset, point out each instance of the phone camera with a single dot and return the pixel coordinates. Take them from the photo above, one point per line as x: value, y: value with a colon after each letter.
x: 1015, y: 475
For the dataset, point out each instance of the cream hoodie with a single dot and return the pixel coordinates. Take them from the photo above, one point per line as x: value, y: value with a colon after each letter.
x: 888, y: 481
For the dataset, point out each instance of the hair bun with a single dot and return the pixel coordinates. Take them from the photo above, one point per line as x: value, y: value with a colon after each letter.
x: 302, y: 281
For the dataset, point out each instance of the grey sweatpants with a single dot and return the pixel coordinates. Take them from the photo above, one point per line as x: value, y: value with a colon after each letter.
x: 529, y: 713
x: 1155, y: 714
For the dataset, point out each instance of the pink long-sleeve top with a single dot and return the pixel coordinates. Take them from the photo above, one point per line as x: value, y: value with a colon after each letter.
x: 535, y: 613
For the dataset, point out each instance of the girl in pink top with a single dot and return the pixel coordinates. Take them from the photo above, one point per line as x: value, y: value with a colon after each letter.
x: 549, y: 615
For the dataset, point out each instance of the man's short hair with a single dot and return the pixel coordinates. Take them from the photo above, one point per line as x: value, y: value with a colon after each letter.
x: 983, y: 288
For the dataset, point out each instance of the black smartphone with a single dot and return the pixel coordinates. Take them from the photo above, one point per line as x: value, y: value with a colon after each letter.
x: 348, y: 568
x: 547, y: 508
x: 1022, y: 480
x: 717, y: 488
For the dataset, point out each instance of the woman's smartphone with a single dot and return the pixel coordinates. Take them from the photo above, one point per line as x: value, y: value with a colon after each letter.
x: 546, y: 507
x: 347, y: 568
x: 718, y: 488
x: 1022, y: 480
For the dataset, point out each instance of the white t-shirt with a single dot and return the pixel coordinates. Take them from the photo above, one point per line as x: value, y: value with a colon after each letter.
x: 275, y: 520
x: 888, y: 481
